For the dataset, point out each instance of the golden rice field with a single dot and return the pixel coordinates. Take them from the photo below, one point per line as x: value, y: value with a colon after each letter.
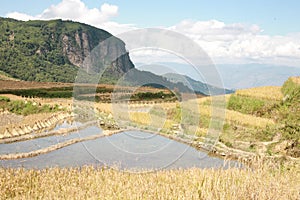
x: 231, y: 116
x: 248, y: 120
x: 91, y: 183
x: 202, y: 100
x: 140, y: 118
x: 266, y: 92
x: 108, y: 107
x: 239, y: 118
x: 66, y: 102
x: 269, y: 181
x: 104, y: 107
x: 296, y: 79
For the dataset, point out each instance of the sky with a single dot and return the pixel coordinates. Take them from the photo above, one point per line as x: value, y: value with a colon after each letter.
x: 231, y: 31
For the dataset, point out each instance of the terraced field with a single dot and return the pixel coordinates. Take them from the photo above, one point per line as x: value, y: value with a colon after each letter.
x: 261, y: 127
x: 267, y: 92
x: 12, y: 84
x: 255, y: 119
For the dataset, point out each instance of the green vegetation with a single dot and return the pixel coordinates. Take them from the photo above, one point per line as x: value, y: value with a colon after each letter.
x: 285, y: 114
x: 61, y: 92
x: 25, y: 108
x: 144, y: 96
x: 5, y: 76
x: 253, y: 122
x: 289, y: 112
x: 291, y: 91
x: 246, y: 105
x: 57, y: 92
x: 152, y: 95
x: 4, y: 99
x: 33, y: 50
x: 263, y: 180
x: 53, y: 51
x: 88, y: 93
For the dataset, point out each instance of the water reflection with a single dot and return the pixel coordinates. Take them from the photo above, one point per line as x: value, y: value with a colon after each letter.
x: 127, y: 150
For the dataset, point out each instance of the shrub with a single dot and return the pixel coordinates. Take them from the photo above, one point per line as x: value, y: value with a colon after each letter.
x: 246, y: 105
x: 5, y: 99
x: 291, y: 91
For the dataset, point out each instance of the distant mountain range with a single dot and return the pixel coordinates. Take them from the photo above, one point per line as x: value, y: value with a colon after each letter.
x: 233, y: 76
x: 239, y: 76
x: 196, y: 86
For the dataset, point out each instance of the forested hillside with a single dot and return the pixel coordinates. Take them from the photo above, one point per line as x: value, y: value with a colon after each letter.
x: 53, y: 50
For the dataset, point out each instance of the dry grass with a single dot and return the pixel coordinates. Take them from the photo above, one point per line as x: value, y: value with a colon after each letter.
x: 9, y: 118
x: 153, y: 115
x: 231, y: 116
x: 108, y: 107
x: 11, y: 84
x: 248, y: 120
x: 90, y: 183
x: 140, y: 118
x: 239, y: 118
x: 104, y: 107
x: 266, y: 92
x: 64, y: 102
x: 208, y: 100
x: 4, y: 77
x: 29, y: 120
x: 296, y: 79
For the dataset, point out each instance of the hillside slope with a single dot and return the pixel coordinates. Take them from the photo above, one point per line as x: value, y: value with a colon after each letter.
x: 197, y: 86
x: 53, y: 50
x: 6, y: 77
x: 281, y: 105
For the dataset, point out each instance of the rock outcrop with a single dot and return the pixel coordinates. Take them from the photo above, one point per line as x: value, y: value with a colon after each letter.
x: 53, y: 50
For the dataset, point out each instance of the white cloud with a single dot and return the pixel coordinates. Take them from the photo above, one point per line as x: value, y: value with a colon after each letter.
x: 116, y: 28
x: 237, y: 43
x: 20, y: 16
x: 76, y: 10
x: 224, y: 43
x: 109, y: 10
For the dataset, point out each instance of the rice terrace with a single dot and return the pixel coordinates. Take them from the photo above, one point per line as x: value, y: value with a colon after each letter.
x: 97, y: 109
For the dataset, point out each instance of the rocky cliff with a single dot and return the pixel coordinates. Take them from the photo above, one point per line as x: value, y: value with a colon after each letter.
x: 53, y: 50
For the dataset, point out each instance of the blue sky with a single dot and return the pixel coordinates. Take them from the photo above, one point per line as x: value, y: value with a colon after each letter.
x: 229, y: 31
x: 275, y: 17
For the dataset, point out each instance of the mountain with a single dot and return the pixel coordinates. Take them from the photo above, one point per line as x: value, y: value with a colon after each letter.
x: 53, y: 50
x: 196, y: 86
x: 240, y: 76
x: 235, y: 76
